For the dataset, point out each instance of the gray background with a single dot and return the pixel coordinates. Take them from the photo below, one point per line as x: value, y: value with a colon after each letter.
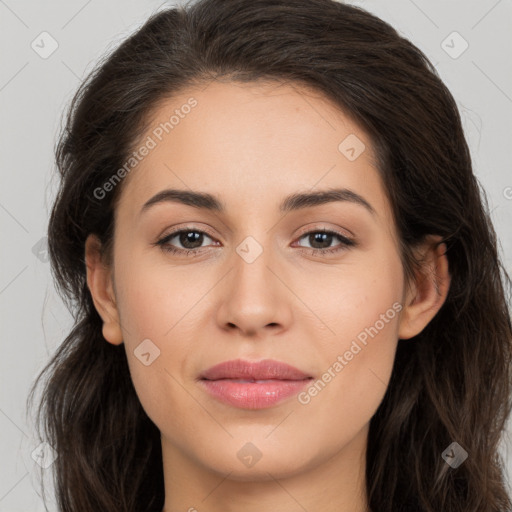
x: 34, y: 92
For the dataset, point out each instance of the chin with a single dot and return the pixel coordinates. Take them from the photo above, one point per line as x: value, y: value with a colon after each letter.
x: 249, y: 465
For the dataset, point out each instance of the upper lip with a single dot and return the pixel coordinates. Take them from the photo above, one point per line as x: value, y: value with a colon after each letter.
x: 257, y: 370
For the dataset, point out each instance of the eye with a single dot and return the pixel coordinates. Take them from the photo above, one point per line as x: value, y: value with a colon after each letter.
x: 189, y: 238
x: 320, y: 241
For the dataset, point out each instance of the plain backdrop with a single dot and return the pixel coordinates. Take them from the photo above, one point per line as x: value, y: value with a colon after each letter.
x: 48, y: 47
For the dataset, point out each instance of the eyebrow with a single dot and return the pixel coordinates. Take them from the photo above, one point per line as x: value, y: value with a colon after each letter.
x: 296, y: 201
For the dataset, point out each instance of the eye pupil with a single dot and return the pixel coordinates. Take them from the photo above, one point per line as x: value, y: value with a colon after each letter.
x: 191, y: 237
x: 320, y: 238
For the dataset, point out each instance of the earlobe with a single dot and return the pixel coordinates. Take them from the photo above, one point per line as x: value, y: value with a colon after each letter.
x: 428, y: 292
x: 99, y: 281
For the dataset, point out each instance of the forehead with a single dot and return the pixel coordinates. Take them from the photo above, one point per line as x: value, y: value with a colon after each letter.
x: 231, y: 138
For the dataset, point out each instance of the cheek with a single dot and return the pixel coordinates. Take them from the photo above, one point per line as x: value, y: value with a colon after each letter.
x: 155, y: 305
x: 363, y: 310
x: 154, y: 297
x: 369, y: 314
x: 361, y: 298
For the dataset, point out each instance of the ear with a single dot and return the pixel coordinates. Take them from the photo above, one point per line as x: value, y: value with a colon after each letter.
x: 427, y: 293
x: 99, y: 281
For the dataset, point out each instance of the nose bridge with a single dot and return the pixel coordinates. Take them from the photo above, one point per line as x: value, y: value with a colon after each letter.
x: 253, y: 299
x: 251, y: 260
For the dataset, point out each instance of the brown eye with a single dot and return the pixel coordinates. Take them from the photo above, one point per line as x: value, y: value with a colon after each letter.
x: 321, y: 241
x: 190, y: 240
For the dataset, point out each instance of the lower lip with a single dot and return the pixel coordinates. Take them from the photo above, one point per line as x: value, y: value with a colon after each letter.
x: 253, y: 395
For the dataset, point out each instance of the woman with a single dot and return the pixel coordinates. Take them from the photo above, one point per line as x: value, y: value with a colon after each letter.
x: 284, y: 277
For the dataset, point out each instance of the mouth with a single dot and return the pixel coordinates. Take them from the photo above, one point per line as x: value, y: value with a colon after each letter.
x: 253, y: 385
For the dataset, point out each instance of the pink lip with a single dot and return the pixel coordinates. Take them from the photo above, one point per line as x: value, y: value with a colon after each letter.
x: 268, y: 382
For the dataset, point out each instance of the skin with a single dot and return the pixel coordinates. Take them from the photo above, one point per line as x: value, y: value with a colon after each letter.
x: 251, y: 145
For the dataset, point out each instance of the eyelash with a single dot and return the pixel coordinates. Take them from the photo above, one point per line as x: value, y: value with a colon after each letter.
x: 345, y: 242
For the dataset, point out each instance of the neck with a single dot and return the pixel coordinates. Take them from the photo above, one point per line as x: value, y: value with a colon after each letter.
x: 332, y: 483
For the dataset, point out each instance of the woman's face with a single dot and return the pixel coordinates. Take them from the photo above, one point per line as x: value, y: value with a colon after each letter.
x: 250, y: 288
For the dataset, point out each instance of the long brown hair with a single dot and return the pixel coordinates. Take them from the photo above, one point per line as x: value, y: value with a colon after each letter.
x: 450, y: 383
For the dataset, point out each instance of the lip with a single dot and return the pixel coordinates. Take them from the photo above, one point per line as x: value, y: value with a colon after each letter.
x: 253, y: 385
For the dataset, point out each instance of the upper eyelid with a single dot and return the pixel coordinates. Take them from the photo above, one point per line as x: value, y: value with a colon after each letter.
x: 316, y: 229
x: 186, y: 230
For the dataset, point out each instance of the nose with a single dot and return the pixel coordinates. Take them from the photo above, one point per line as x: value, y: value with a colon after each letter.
x: 255, y: 301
